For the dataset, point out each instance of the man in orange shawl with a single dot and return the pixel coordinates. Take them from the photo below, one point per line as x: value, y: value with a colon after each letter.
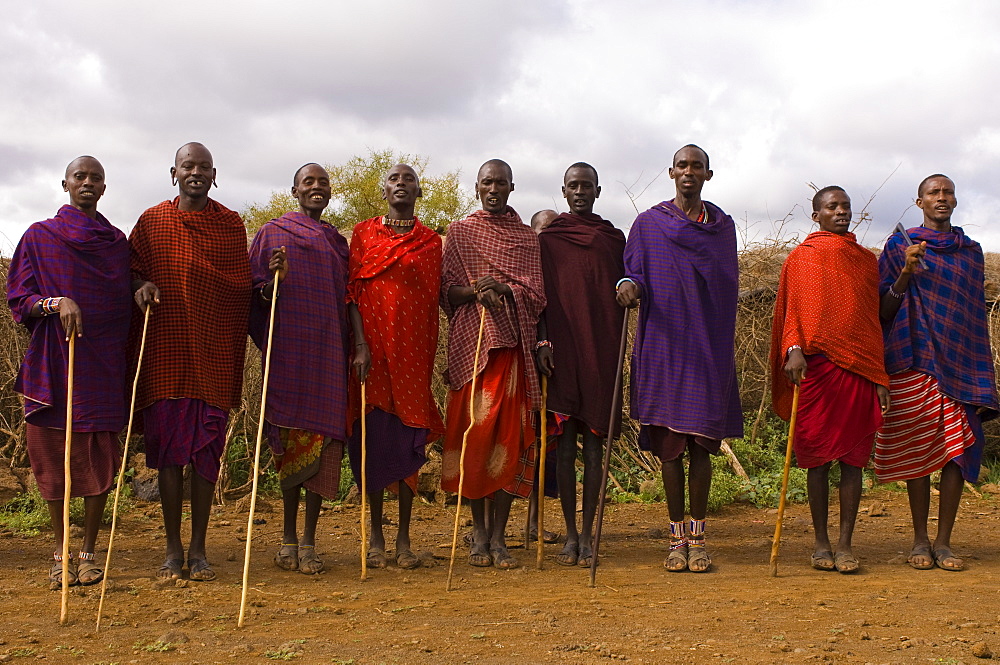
x: 395, y: 272
x: 492, y: 268
x: 826, y: 339
x: 195, y: 250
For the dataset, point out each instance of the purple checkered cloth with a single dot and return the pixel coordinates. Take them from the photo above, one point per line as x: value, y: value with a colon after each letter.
x: 941, y: 328
x: 87, y: 260
x: 683, y: 361
x: 307, y: 388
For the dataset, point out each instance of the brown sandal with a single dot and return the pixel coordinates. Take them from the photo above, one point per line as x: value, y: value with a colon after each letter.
x: 287, y: 556
x: 88, y: 572
x: 56, y: 572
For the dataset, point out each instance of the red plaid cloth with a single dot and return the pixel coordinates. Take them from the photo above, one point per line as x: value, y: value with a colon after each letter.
x: 502, y: 247
x: 197, y: 334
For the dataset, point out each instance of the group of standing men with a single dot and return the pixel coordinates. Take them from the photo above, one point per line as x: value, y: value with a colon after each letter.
x: 356, y: 323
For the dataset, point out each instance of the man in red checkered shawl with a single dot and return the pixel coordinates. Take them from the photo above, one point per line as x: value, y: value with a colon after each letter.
x: 195, y: 251
x: 491, y: 265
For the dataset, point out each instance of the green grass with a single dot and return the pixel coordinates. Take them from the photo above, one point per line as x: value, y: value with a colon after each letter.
x: 28, y: 514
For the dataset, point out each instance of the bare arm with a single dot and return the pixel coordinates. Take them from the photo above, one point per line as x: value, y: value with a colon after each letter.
x: 361, y: 359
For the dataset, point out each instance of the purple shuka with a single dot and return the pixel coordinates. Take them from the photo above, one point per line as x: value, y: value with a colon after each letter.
x: 86, y: 260
x: 307, y: 387
x: 683, y: 361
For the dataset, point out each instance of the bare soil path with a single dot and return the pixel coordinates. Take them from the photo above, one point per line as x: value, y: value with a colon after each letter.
x: 639, y: 613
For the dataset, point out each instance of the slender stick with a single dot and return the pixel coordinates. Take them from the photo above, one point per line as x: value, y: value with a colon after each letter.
x: 776, y: 543
x: 64, y: 601
x: 256, y: 454
x: 121, y: 470
x: 364, y: 484
x: 615, y: 408
x: 540, y: 550
x: 465, y: 442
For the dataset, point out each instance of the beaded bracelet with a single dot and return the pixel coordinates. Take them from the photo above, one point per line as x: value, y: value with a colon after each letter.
x: 892, y: 292
x: 543, y: 343
x: 622, y: 281
x: 49, y: 306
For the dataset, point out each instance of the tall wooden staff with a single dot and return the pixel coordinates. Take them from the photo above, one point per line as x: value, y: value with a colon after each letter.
x: 465, y: 442
x: 776, y: 543
x: 540, y: 549
x: 615, y: 407
x: 64, y: 601
x: 364, y: 485
x: 256, y: 455
x: 121, y: 470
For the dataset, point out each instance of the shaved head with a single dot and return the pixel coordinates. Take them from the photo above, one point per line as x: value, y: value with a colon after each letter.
x: 923, y: 183
x: 698, y: 148
x: 192, y: 148
x: 399, y: 168
x: 295, y: 178
x: 84, y: 160
x: 497, y: 162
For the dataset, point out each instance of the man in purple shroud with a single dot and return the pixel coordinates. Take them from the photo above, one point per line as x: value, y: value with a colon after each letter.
x: 307, y: 387
x: 73, y: 267
x: 680, y: 261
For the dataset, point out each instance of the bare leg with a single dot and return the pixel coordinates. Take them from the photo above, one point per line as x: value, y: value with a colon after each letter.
x: 55, y: 517
x: 405, y: 511
x: 673, y: 486
x: 290, y: 506
x: 314, y: 502
x: 93, y: 514
x: 699, y: 479
x: 171, y: 483
x: 566, y: 477
x: 850, y: 500
x: 480, y: 553
x: 502, y: 502
x: 202, y: 492
x: 918, y: 491
x: 952, y: 484
x: 592, y: 476
x: 818, y: 489
x: 376, y: 503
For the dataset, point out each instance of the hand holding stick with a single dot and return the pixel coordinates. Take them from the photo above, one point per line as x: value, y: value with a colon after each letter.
x: 909, y: 241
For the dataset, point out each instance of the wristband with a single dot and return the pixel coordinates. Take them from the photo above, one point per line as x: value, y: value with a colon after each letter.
x: 543, y: 343
x: 622, y: 281
x: 892, y: 292
x: 49, y: 305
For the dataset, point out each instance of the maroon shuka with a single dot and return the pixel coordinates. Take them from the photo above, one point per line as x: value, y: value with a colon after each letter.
x: 85, y: 259
x: 581, y: 262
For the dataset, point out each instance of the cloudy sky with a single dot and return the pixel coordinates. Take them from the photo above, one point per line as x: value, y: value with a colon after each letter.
x: 780, y: 93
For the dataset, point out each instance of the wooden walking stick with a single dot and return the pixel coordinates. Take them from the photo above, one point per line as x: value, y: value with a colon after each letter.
x: 364, y: 485
x: 64, y: 601
x: 121, y: 470
x: 465, y: 442
x: 541, y: 478
x: 615, y: 407
x: 256, y: 455
x: 784, y: 484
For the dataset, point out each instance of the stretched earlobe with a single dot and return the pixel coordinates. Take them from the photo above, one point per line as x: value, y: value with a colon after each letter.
x: 215, y: 184
x: 173, y: 181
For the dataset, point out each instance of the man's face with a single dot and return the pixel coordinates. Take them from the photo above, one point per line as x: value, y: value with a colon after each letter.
x: 938, y: 199
x: 194, y: 171
x: 401, y: 186
x: 313, y: 188
x: 689, y: 171
x: 493, y: 187
x: 834, y: 214
x: 581, y: 190
x: 84, y: 182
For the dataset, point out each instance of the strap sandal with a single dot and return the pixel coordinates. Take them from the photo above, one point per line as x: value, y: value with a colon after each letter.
x: 87, y: 571
x: 921, y: 558
x: 287, y: 556
x: 698, y: 559
x: 586, y: 557
x: 199, y: 570
x: 677, y: 559
x: 569, y: 556
x: 503, y: 560
x: 846, y: 563
x: 822, y: 560
x: 170, y: 569
x: 945, y: 559
x: 479, y: 556
x: 407, y: 560
x: 376, y: 558
x: 56, y: 572
x: 309, y: 562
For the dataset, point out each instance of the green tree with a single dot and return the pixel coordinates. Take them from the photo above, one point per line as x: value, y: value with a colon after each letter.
x: 357, y: 194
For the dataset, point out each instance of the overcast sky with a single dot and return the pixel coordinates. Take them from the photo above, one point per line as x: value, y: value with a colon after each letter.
x: 780, y: 94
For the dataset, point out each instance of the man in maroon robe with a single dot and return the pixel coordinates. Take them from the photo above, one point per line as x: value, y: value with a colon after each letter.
x: 578, y: 347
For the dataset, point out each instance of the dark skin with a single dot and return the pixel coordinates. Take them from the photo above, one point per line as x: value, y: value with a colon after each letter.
x: 194, y: 174
x: 312, y: 191
x: 580, y: 189
x: 494, y: 183
x: 85, y: 184
x: 689, y: 172
x: 937, y: 201
x: 833, y: 216
x: 400, y: 190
